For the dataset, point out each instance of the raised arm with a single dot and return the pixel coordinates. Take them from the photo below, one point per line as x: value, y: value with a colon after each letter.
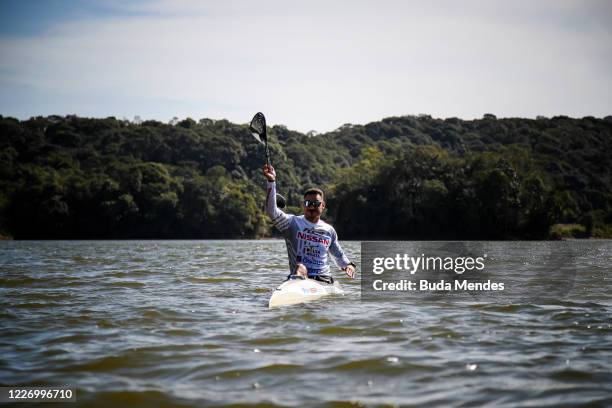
x: 279, y: 218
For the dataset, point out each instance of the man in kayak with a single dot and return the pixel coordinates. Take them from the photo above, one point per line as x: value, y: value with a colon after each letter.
x: 309, y: 239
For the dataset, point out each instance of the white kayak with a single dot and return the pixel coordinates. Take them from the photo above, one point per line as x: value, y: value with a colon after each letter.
x: 297, y: 290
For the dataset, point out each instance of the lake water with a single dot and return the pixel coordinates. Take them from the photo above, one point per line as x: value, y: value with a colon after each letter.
x: 186, y: 324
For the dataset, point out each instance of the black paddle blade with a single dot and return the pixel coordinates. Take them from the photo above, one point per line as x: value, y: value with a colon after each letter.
x: 258, y: 127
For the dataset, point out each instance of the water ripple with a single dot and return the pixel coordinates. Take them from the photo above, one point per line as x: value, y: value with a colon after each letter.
x: 185, y: 324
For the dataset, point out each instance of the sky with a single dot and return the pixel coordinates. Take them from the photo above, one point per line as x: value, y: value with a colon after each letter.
x: 308, y: 65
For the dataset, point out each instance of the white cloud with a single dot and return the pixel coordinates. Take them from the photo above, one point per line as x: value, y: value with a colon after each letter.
x: 316, y: 66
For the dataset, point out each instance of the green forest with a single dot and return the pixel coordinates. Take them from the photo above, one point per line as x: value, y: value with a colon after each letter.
x: 408, y: 177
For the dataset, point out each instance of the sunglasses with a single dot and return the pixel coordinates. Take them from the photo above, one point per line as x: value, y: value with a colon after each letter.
x: 312, y: 203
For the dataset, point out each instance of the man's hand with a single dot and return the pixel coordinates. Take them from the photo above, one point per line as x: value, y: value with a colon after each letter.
x: 269, y: 172
x: 301, y: 271
x: 350, y: 271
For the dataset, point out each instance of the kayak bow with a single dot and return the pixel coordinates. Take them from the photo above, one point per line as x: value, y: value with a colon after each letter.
x: 294, y: 291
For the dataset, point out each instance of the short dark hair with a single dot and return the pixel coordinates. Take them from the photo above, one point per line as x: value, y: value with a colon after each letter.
x: 315, y: 190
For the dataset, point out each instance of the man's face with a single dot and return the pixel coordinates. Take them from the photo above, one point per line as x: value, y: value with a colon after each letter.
x: 311, y: 211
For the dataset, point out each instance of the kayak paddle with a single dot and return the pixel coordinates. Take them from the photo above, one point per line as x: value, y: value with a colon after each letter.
x: 258, y: 129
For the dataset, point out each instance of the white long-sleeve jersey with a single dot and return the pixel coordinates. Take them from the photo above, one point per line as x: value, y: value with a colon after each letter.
x: 307, y: 243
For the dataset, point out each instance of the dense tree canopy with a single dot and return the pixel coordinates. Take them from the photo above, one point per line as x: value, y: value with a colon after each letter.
x: 402, y: 178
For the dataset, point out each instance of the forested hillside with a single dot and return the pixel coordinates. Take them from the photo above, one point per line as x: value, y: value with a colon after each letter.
x: 403, y: 177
